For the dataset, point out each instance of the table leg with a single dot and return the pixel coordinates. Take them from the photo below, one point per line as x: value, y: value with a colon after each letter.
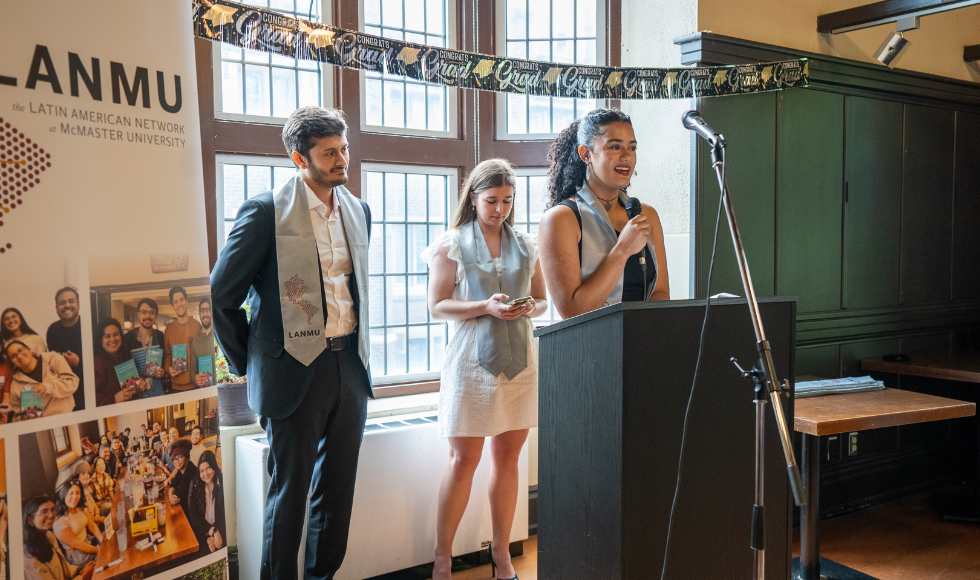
x: 810, y: 513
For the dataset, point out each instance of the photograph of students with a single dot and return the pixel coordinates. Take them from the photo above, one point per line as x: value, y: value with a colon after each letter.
x: 47, y: 375
x: 590, y: 246
x: 43, y: 558
x: 83, y: 475
x: 140, y: 339
x: 102, y: 484
x: 180, y: 331
x: 14, y: 327
x: 109, y: 353
x: 184, y: 472
x: 124, y: 436
x: 157, y: 435
x: 111, y: 463
x: 205, y: 504
x: 202, y: 345
x: 75, y: 528
x: 489, y: 382
x: 197, y: 444
x: 65, y: 336
x: 172, y: 436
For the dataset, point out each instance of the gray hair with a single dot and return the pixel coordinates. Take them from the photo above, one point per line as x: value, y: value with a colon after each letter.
x: 306, y: 125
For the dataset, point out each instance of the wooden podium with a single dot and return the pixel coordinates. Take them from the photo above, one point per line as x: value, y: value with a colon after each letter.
x: 614, y: 385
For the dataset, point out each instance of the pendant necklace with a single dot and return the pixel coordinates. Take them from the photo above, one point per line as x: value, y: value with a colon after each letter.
x: 607, y: 203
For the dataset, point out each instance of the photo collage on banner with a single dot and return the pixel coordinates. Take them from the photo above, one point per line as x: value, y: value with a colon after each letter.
x: 110, y: 462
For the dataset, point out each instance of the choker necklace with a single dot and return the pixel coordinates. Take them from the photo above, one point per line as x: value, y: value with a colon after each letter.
x: 607, y: 203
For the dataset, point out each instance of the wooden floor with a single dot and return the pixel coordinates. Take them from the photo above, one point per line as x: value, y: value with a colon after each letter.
x: 902, y: 540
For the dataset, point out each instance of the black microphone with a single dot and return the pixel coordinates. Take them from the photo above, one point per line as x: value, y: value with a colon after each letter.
x: 633, y: 209
x: 693, y: 121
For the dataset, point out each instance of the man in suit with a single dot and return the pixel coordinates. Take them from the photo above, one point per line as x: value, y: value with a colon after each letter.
x: 299, y: 255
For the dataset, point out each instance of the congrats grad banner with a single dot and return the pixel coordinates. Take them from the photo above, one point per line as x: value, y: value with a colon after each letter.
x: 256, y: 29
x: 108, y: 418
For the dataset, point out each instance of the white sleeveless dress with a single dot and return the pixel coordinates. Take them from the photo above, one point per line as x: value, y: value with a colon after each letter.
x: 472, y: 402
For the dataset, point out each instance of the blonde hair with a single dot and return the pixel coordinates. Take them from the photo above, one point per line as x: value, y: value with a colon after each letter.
x: 488, y: 174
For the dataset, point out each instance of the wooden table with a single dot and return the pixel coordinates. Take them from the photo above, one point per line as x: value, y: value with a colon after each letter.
x: 178, y: 540
x: 832, y: 414
x: 961, y: 366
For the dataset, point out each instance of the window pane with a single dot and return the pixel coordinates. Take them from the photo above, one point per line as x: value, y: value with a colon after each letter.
x: 416, y: 198
x: 585, y: 52
x: 562, y: 113
x: 283, y: 92
x: 539, y: 19
x: 280, y: 175
x: 516, y: 19
x: 256, y: 56
x: 256, y: 90
x: 376, y: 194
x: 563, y: 51
x: 434, y: 19
x: 394, y: 104
x: 309, y: 89
x: 395, y: 299
x: 520, y: 201
x: 418, y: 348
x: 394, y: 197
x: 391, y: 13
x: 394, y: 251
x: 415, y: 102
x: 539, y: 50
x: 372, y: 12
x: 586, y: 18
x: 437, y: 344
x: 415, y: 37
x: 539, y: 114
x: 378, y: 351
x: 233, y: 179
x: 415, y: 15
x: 563, y: 19
x: 516, y: 114
x: 538, y: 197
x: 417, y: 241
x: 418, y: 308
x: 376, y: 294
x: 517, y: 49
x: 373, y: 98
x: 437, y: 198
x: 396, y: 351
x: 231, y: 87
x: 437, y: 108
x: 259, y: 179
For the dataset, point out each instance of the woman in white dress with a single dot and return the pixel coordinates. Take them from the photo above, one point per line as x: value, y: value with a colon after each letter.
x: 490, y: 375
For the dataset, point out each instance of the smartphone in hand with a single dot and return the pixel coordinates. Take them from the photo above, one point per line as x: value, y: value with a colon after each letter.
x: 518, y: 301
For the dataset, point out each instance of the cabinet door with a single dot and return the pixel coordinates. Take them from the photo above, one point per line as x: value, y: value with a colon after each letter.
x: 748, y: 123
x: 809, y: 198
x: 927, y: 205
x: 966, y: 209
x: 873, y: 202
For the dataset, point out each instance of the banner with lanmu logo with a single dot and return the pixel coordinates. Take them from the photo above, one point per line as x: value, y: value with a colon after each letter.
x: 110, y: 462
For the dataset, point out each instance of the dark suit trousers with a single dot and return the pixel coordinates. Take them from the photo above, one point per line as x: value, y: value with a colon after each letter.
x: 318, y: 443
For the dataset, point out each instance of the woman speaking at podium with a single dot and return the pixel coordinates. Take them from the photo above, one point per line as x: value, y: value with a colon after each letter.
x: 590, y: 248
x: 484, y: 277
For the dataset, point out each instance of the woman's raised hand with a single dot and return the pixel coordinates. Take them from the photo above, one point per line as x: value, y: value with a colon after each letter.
x: 635, y: 235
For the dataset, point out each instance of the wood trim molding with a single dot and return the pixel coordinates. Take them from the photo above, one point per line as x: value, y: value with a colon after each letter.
x: 402, y: 389
x: 836, y: 74
x: 884, y: 12
x: 819, y: 329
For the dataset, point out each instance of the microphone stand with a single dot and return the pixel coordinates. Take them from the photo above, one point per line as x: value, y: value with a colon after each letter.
x: 763, y: 373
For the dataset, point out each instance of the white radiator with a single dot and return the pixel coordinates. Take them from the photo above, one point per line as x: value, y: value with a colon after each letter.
x: 394, y: 524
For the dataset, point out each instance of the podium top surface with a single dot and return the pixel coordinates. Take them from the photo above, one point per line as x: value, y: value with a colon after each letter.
x: 937, y: 364
x: 649, y: 305
x: 831, y: 414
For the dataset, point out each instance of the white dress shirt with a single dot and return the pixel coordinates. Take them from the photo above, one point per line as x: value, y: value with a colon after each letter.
x: 335, y: 262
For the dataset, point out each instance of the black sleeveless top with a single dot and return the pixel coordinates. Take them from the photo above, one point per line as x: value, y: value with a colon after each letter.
x: 633, y: 283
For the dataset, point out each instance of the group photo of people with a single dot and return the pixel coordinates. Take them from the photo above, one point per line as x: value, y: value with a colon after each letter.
x: 132, y: 494
x: 41, y: 367
x: 154, y: 340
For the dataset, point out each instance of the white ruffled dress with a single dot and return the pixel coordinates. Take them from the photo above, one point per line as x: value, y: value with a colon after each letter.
x: 472, y: 402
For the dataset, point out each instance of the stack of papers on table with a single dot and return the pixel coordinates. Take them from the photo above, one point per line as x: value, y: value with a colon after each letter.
x: 837, y: 386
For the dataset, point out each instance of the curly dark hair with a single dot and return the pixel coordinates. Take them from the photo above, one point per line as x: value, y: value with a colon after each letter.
x: 567, y: 171
x: 61, y: 504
